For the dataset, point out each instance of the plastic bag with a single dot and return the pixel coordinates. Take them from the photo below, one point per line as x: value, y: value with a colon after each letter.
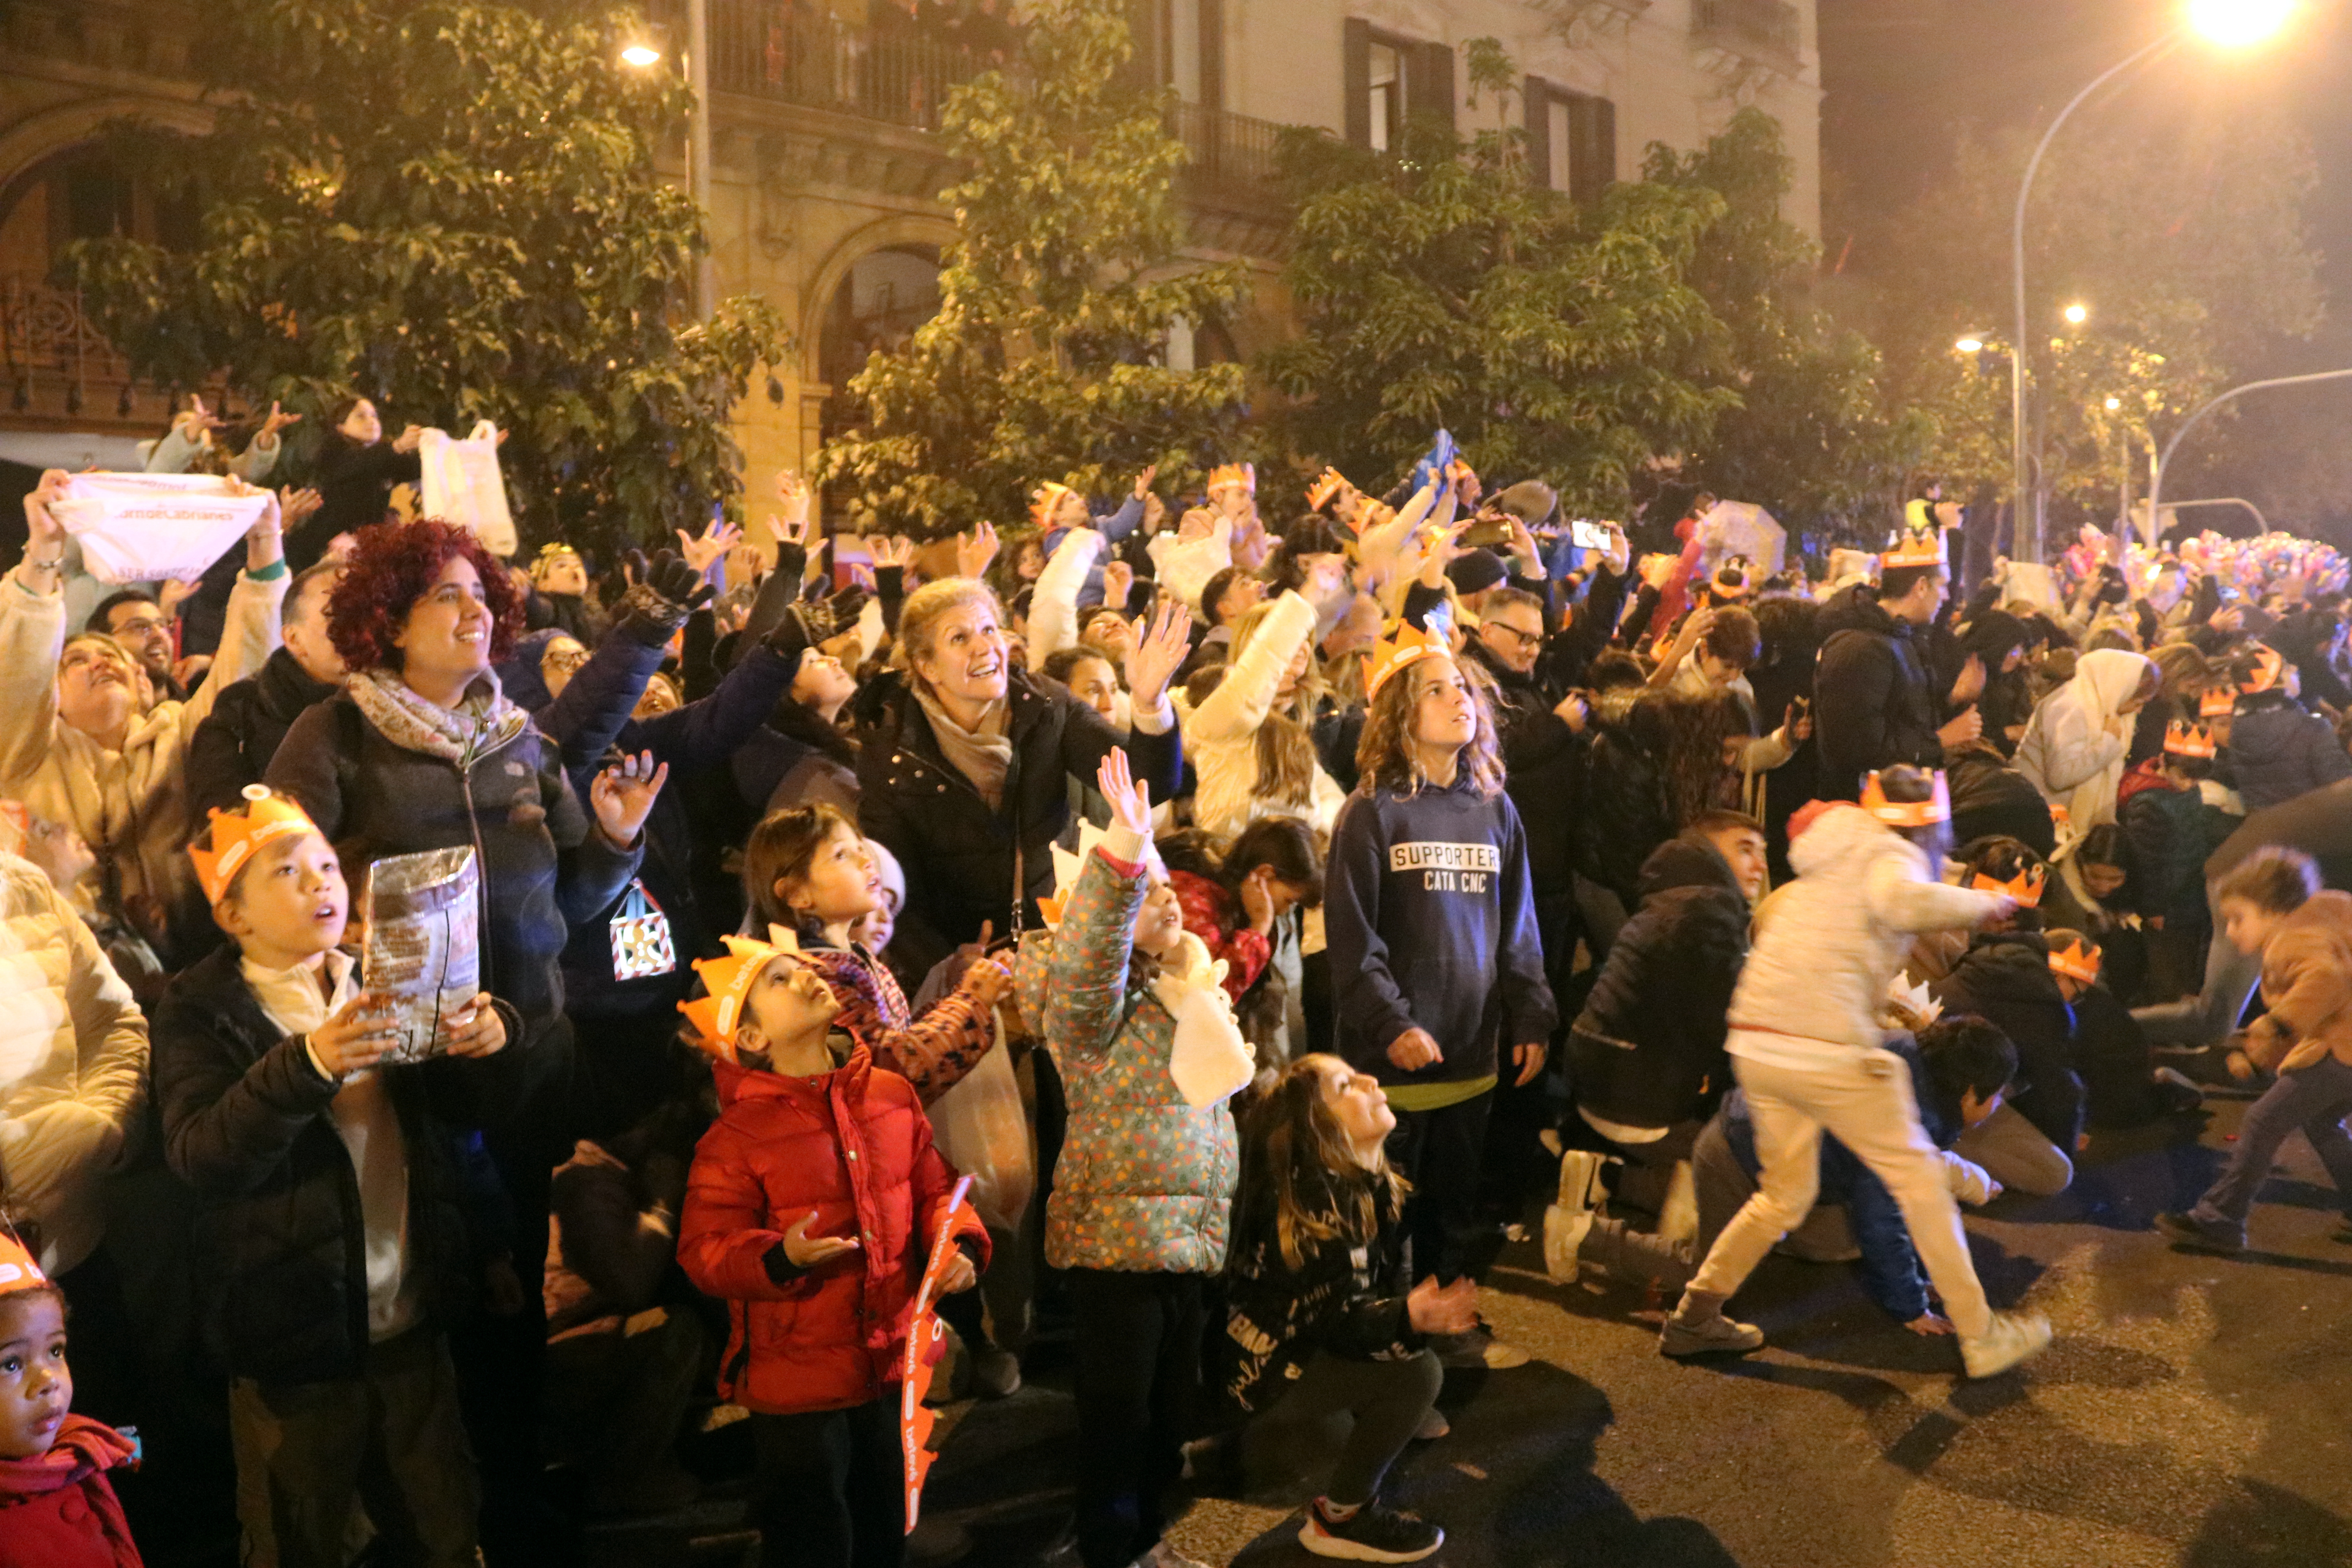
x: 147, y: 528
x: 1741, y: 528
x: 462, y: 484
x: 422, y: 946
x: 981, y: 1130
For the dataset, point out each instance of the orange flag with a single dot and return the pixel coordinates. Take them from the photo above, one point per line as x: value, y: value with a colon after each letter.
x: 926, y: 1339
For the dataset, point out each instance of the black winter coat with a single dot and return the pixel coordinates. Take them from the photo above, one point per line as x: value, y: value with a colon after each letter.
x: 282, y: 1281
x: 1543, y: 766
x: 2279, y: 750
x: 354, y: 485
x: 1278, y: 1316
x: 233, y: 746
x: 1875, y: 704
x: 1623, y: 813
x: 959, y: 854
x: 544, y: 861
x: 1652, y: 1033
x: 2004, y: 978
x: 1990, y: 798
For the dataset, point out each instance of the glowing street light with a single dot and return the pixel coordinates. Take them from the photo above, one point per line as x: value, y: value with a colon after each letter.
x: 2115, y: 405
x: 2236, y: 24
x: 642, y: 56
x: 2076, y: 314
x: 1971, y: 344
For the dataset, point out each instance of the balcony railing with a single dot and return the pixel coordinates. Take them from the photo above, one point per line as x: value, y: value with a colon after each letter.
x: 56, y: 361
x: 777, y: 51
x: 1764, y: 30
x: 1231, y: 154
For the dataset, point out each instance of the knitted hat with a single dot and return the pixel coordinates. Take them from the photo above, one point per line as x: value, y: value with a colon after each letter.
x: 1475, y: 571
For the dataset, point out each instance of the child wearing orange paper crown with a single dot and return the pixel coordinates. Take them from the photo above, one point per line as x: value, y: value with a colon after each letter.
x: 1055, y: 508
x: 809, y: 1210
x: 1806, y: 1045
x: 1435, y: 956
x: 329, y: 1203
x: 2277, y: 748
x: 2175, y: 813
x: 57, y: 1508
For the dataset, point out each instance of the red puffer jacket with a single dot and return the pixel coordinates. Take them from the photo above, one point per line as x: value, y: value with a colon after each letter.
x: 852, y: 1145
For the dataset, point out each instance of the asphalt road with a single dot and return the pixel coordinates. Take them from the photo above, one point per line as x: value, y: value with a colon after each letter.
x: 2193, y: 1410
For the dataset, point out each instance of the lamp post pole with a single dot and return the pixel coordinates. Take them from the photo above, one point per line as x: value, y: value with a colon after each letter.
x: 2025, y: 521
x: 2155, y: 485
x: 697, y: 147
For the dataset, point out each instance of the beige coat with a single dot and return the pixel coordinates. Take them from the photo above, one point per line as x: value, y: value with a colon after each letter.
x: 130, y: 806
x: 2308, y: 987
x: 73, y: 1064
x: 1221, y: 734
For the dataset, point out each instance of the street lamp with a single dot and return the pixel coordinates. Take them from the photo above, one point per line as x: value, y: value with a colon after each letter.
x: 1970, y: 344
x: 644, y: 55
x: 2155, y: 485
x: 2076, y: 314
x: 2115, y: 405
x: 2233, y: 23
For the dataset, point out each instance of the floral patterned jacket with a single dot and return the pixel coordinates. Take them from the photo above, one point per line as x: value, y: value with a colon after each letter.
x: 1145, y: 1182
x: 933, y: 1052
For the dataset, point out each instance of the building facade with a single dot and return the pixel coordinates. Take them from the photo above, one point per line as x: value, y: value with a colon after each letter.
x: 828, y: 165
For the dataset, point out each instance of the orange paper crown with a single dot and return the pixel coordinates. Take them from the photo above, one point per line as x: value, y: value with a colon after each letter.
x: 1046, y: 501
x: 2076, y: 961
x: 236, y: 835
x: 1242, y: 474
x: 2266, y: 673
x: 718, y: 1016
x: 1917, y: 547
x: 1907, y: 813
x: 2218, y: 703
x: 1393, y: 653
x: 2189, y: 740
x: 18, y: 1271
x: 1328, y: 483
x: 2025, y: 887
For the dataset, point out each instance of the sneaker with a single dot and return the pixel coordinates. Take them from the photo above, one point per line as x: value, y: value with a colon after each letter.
x: 1432, y: 1426
x: 2175, y: 1091
x: 996, y: 1373
x: 2014, y: 1337
x: 2205, y: 1234
x: 1370, y: 1534
x: 1716, y: 1335
x: 1568, y: 1221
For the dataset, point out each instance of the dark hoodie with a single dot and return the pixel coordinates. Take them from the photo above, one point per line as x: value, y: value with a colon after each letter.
x: 2004, y: 978
x: 1648, y: 1049
x: 1873, y: 704
x: 1432, y: 923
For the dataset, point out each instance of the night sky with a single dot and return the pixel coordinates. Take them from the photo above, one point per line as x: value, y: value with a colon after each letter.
x: 1903, y: 76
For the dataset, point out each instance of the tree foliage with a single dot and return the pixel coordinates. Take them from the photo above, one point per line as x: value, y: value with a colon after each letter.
x: 451, y: 209
x: 1047, y: 358
x: 1811, y: 434
x: 1443, y: 287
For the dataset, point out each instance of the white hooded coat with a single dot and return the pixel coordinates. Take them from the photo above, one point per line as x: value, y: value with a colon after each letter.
x: 1816, y: 979
x: 2075, y: 744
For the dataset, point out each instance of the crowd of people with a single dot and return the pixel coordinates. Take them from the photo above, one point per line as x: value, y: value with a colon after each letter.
x: 1195, y: 936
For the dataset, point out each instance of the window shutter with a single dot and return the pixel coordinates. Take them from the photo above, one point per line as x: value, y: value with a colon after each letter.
x: 1430, y: 85
x: 1213, y: 54
x: 1592, y: 166
x: 1356, y: 68
x: 1535, y: 98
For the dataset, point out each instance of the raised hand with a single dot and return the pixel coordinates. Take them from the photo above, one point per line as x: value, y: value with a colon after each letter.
x: 278, y: 420
x: 623, y: 796
x: 1157, y: 653
x: 986, y: 982
x: 295, y: 507
x: 265, y: 541
x: 1130, y: 802
x: 409, y: 439
x: 888, y: 552
x: 793, y: 491
x: 1143, y: 481
x: 702, y: 552
x: 1119, y: 582
x: 173, y: 593
x: 975, y: 551
x: 789, y: 531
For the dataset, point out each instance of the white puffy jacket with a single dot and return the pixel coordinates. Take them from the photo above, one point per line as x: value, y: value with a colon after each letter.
x: 73, y: 1064
x: 1221, y: 734
x: 2073, y: 747
x: 1816, y: 978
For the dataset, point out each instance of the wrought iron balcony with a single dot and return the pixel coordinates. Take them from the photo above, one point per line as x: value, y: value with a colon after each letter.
x: 897, y: 74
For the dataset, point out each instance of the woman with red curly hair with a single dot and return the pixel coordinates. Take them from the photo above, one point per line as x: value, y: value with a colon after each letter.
x: 422, y: 751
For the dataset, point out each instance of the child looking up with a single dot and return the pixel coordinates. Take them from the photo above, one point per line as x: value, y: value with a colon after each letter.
x: 810, y: 1210
x: 1434, y: 950
x: 57, y: 1508
x: 329, y: 1195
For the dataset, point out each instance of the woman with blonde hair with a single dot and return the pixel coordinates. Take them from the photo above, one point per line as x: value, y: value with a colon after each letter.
x: 1435, y: 950
x: 963, y: 779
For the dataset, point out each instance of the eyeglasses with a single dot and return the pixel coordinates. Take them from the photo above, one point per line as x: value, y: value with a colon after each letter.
x: 1523, y: 639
